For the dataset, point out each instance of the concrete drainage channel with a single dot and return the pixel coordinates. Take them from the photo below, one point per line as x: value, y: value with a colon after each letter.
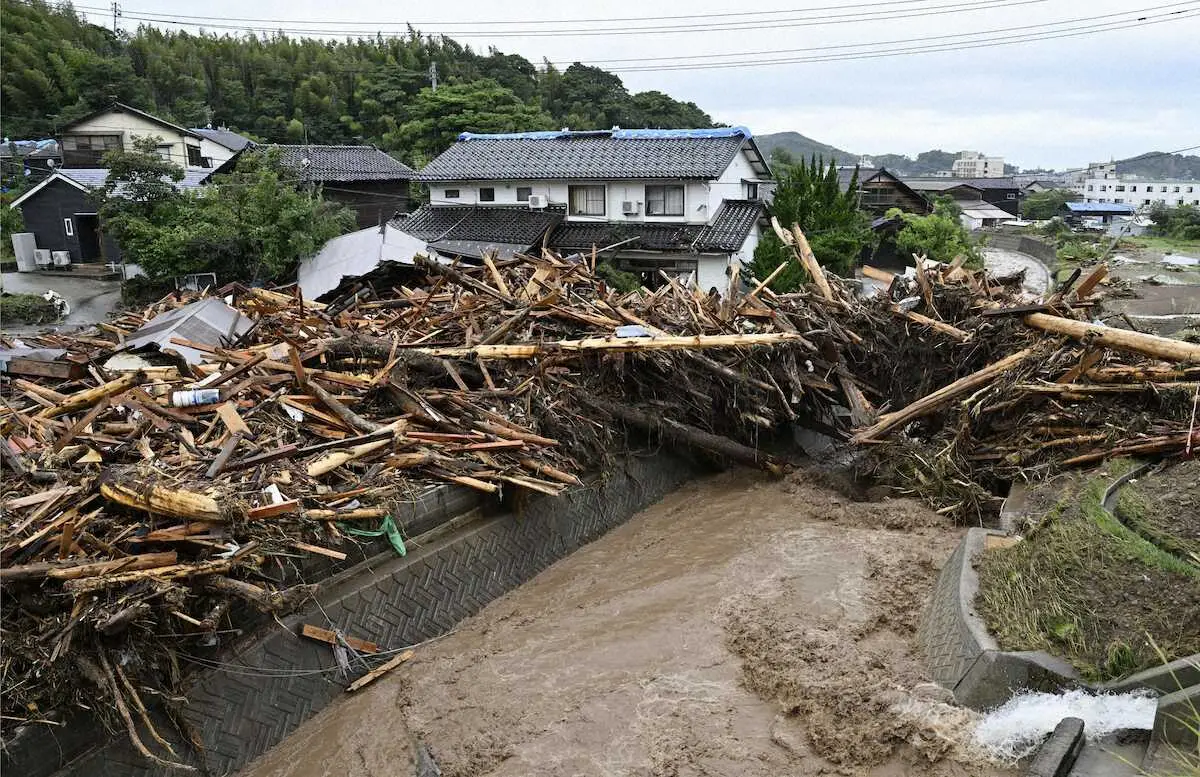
x: 964, y: 657
x: 461, y: 560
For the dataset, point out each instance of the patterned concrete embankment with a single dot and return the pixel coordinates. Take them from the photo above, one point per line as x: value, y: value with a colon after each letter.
x: 276, y: 681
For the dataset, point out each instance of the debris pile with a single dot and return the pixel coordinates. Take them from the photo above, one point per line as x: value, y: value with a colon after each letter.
x: 168, y: 468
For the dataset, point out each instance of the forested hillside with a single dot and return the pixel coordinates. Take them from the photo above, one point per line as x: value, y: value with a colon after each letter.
x: 58, y: 67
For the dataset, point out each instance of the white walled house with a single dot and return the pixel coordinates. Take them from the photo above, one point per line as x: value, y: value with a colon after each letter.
x: 688, y: 202
x: 84, y: 142
x: 218, y: 145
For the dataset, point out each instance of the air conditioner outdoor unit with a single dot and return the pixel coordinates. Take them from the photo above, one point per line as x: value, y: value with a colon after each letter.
x: 42, y: 258
x: 62, y: 258
x: 630, y: 207
x: 537, y: 201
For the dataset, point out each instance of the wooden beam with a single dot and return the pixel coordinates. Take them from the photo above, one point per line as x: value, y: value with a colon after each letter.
x: 379, y: 671
x: 1099, y: 335
x: 331, y: 637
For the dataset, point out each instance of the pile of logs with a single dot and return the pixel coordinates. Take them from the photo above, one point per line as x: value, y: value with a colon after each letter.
x: 141, y: 526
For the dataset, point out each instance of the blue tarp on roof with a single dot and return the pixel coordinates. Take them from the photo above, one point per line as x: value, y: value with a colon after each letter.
x: 1100, y: 207
x: 619, y: 134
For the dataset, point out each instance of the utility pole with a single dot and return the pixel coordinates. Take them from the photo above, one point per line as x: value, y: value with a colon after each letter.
x: 116, y: 11
x: 433, y: 75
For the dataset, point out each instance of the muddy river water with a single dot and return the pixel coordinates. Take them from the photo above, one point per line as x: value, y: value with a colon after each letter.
x: 742, y: 626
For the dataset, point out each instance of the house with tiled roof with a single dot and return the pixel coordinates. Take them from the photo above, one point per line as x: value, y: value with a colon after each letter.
x: 368, y: 181
x: 685, y: 202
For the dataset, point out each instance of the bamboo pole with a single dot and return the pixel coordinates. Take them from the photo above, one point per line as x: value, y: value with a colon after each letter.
x: 623, y: 344
x: 1119, y: 339
x: 931, y: 402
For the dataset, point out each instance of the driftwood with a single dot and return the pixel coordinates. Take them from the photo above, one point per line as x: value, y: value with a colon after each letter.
x: 1120, y: 339
x: 163, y: 501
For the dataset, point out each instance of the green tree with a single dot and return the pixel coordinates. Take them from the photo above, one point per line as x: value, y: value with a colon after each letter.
x: 1180, y: 223
x: 1039, y: 206
x: 940, y: 236
x: 808, y: 194
x: 248, y: 225
x: 434, y: 119
x: 139, y: 197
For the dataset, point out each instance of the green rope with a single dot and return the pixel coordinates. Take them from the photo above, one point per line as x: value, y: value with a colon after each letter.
x: 386, y: 529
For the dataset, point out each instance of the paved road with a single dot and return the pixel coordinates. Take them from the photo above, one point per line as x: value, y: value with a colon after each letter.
x: 1002, y: 262
x: 91, y: 300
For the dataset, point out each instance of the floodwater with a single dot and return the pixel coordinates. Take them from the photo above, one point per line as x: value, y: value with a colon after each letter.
x: 742, y: 626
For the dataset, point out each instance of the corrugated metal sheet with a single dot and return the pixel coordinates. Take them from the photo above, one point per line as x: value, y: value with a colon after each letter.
x: 209, y: 322
x: 355, y: 254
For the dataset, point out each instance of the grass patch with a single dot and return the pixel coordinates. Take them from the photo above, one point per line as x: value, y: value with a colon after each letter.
x: 1085, y: 587
x: 26, y: 309
x: 1166, y: 245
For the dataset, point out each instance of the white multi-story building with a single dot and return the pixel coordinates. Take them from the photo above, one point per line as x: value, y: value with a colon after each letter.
x: 972, y: 164
x: 1139, y: 192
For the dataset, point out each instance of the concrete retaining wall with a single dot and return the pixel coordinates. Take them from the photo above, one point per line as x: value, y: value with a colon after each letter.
x: 457, y: 567
x: 1027, y: 245
x: 963, y: 657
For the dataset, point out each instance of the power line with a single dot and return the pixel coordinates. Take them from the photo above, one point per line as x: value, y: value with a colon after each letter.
x: 961, y: 6
x: 908, y: 51
x: 608, y: 20
x: 891, y: 42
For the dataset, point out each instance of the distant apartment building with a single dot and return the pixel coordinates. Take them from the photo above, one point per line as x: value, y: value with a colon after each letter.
x: 1102, y: 184
x: 972, y: 164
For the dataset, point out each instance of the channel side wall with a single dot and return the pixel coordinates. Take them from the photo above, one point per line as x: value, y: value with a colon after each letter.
x: 461, y: 563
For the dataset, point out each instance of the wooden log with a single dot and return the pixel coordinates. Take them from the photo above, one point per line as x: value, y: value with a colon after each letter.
x: 379, y: 671
x: 262, y: 598
x: 810, y: 264
x: 682, y: 434
x: 940, y: 326
x: 89, y: 397
x: 162, y: 501
x: 1123, y: 374
x: 1099, y: 335
x: 617, y: 344
x: 876, y: 274
x: 357, y: 514
x: 433, y: 267
x: 538, y: 468
x: 337, y: 458
x: 127, y: 564
x: 352, y: 419
x: 122, y: 619
x: 174, y: 572
x: 931, y: 402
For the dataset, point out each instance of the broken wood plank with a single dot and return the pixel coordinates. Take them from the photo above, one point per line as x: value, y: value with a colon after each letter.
x: 336, y: 555
x: 379, y: 671
x: 332, y: 638
x: 290, y: 506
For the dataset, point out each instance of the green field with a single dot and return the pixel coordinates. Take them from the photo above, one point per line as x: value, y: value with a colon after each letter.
x: 1165, y: 245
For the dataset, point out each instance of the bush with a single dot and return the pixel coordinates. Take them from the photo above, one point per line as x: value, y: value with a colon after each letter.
x: 26, y: 309
x: 623, y: 282
x: 939, y: 237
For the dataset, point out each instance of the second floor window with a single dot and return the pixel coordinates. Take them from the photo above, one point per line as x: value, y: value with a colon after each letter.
x: 664, y: 200
x: 194, y: 158
x: 524, y: 193
x: 487, y: 194
x: 88, y: 150
x: 451, y: 194
x: 587, y: 200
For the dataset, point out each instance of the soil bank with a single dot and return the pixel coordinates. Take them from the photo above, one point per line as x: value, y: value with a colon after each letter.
x: 742, y: 626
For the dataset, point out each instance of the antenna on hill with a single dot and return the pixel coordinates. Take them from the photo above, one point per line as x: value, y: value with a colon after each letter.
x: 116, y: 11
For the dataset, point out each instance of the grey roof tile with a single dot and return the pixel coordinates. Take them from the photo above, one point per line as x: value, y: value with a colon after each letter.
x: 589, y: 155
x: 472, y: 224
x: 730, y: 226
x: 224, y: 137
x: 344, y: 163
x: 726, y: 234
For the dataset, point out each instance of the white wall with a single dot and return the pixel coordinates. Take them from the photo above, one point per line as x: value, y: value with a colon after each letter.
x: 695, y: 195
x: 1137, y: 192
x: 215, y: 151
x: 130, y: 126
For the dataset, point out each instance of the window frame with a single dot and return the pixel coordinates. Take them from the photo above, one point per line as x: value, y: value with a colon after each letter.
x: 69, y: 226
x: 585, y: 188
x: 452, y: 194
x: 194, y: 157
x: 490, y: 196
x: 524, y: 193
x: 666, y: 188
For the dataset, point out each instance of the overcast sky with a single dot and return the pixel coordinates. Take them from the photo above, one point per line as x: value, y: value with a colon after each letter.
x: 1058, y: 102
